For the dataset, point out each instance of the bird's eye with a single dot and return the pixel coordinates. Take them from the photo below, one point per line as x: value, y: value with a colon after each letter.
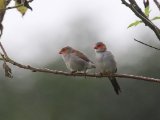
x: 99, y: 45
x: 64, y: 49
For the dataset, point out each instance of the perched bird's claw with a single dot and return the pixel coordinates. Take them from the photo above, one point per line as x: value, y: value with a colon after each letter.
x: 108, y: 74
x: 106, y: 64
x: 73, y: 73
x: 85, y: 74
x: 101, y: 74
x: 75, y: 60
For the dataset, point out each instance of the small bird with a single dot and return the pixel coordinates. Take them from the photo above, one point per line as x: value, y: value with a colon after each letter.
x: 106, y: 63
x: 75, y: 60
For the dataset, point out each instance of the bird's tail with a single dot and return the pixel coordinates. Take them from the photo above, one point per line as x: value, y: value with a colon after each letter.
x: 115, y: 84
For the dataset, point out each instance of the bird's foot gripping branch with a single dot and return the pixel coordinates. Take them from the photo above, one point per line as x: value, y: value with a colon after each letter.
x: 6, y: 59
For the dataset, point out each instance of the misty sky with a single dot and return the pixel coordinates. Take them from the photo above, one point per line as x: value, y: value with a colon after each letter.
x: 35, y: 36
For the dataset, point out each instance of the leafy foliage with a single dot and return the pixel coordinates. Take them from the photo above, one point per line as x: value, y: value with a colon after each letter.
x: 2, y: 4
x: 23, y: 6
x: 155, y: 18
x: 22, y: 9
x: 134, y: 23
x: 146, y: 12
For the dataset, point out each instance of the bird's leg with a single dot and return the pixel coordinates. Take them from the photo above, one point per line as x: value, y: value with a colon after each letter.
x: 100, y: 73
x: 94, y: 71
x: 85, y: 74
x: 109, y: 73
x: 72, y: 72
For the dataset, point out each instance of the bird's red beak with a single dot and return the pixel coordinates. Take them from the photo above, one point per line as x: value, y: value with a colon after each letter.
x: 95, y: 47
x: 60, y: 52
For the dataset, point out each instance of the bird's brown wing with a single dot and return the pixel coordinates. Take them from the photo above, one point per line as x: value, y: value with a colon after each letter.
x: 80, y: 55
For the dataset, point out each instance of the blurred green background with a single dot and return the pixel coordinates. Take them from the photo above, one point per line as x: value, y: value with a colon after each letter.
x: 55, y: 97
x: 30, y: 96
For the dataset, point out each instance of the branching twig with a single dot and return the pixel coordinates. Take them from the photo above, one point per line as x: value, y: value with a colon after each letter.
x: 157, y: 4
x: 146, y: 44
x: 7, y: 2
x: 7, y: 69
x: 136, y: 9
x: 5, y: 53
x: 12, y: 7
x: 6, y: 58
x: 45, y: 70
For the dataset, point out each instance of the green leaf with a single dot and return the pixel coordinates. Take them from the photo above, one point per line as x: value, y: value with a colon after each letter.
x: 155, y: 18
x: 22, y: 9
x: 134, y: 23
x: 2, y: 4
x: 147, y: 11
x: 26, y: 4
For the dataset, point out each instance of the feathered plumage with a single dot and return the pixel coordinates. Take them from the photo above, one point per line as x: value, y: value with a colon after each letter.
x: 75, y: 60
x: 106, y: 63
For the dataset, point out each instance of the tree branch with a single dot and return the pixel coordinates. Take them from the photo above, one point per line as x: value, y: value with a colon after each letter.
x: 146, y: 44
x: 96, y: 75
x: 157, y: 4
x: 135, y: 8
x: 12, y: 7
x: 138, y: 12
x: 2, y: 13
x: 8, y: 71
x: 7, y: 2
x: 5, y: 53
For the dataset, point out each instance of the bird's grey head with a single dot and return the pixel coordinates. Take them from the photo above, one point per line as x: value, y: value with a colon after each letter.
x: 66, y: 50
x: 100, y: 47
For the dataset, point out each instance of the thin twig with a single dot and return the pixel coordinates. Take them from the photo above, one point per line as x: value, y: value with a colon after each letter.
x: 146, y: 44
x: 7, y: 2
x: 2, y: 57
x: 157, y: 4
x: 5, y: 53
x: 12, y: 7
x: 7, y: 69
x: 30, y: 1
x: 125, y: 3
x: 136, y: 9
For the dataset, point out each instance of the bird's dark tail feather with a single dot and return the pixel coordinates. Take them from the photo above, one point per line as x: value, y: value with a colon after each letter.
x: 115, y: 84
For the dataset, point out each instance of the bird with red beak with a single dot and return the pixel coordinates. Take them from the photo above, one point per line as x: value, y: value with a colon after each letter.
x: 106, y: 64
x: 76, y: 60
